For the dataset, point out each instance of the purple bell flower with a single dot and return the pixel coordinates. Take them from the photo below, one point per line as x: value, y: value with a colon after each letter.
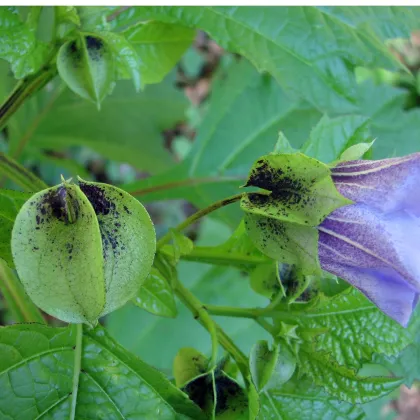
x: 374, y: 244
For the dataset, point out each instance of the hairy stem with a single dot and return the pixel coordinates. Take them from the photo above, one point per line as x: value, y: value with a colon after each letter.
x: 198, y: 215
x: 77, y: 368
x: 21, y: 306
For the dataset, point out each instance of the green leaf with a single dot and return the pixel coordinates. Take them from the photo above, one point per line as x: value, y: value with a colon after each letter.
x: 247, y: 108
x: 301, y: 397
x: 285, y: 242
x: 128, y: 128
x: 10, y: 204
x: 126, y: 57
x: 156, y: 296
x: 332, y: 136
x: 67, y: 14
x: 38, y: 366
x: 82, y: 252
x: 312, y: 63
x: 356, y: 151
x: 86, y: 64
x: 302, y: 190
x: 345, y: 317
x: 18, y: 174
x: 342, y: 382
x: 160, y: 46
x: 18, y: 43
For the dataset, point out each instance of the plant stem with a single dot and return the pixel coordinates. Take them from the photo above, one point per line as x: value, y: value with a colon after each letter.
x: 23, y: 309
x: 212, y: 255
x: 77, y: 368
x: 202, y: 316
x: 23, y: 90
x: 199, y: 312
x: 198, y: 215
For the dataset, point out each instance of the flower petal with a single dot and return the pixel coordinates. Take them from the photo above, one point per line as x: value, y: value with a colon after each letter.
x: 375, y: 252
x: 388, y: 185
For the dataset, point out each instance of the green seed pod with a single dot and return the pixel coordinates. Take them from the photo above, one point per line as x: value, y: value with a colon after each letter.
x: 82, y: 251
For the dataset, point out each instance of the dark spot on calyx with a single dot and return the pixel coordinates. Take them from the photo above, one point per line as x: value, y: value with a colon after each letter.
x: 60, y: 204
x: 97, y: 197
x: 95, y: 47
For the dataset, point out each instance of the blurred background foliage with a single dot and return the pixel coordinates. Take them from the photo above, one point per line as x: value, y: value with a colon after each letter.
x: 214, y: 99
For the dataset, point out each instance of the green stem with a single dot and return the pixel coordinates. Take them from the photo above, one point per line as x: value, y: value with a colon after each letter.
x: 202, y: 316
x: 196, y: 216
x: 199, y: 312
x: 17, y: 300
x: 212, y: 255
x: 23, y: 90
x: 252, y: 313
x: 77, y: 368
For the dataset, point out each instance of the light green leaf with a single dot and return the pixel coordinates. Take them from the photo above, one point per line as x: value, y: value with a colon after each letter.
x: 301, y: 397
x: 37, y: 369
x: 82, y: 252
x: 160, y: 46
x: 156, y: 296
x: 10, y: 204
x: 356, y: 151
x: 126, y: 57
x: 86, y: 64
x: 288, y: 243
x: 332, y: 136
x: 128, y: 128
x: 18, y: 43
x: 249, y: 110
x: 342, y: 382
x: 302, y: 190
x: 262, y: 362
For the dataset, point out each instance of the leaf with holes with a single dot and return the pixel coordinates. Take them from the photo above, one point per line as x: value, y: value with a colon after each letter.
x: 40, y: 377
x: 86, y: 64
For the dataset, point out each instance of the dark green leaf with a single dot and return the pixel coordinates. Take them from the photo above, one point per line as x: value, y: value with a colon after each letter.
x: 86, y: 64
x: 331, y: 137
x: 37, y: 370
x: 160, y: 46
x: 310, y: 54
x: 156, y: 296
x: 10, y: 204
x: 128, y: 128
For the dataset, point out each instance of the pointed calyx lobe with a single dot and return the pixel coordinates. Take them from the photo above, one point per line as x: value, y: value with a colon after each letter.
x: 299, y: 195
x: 374, y: 244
